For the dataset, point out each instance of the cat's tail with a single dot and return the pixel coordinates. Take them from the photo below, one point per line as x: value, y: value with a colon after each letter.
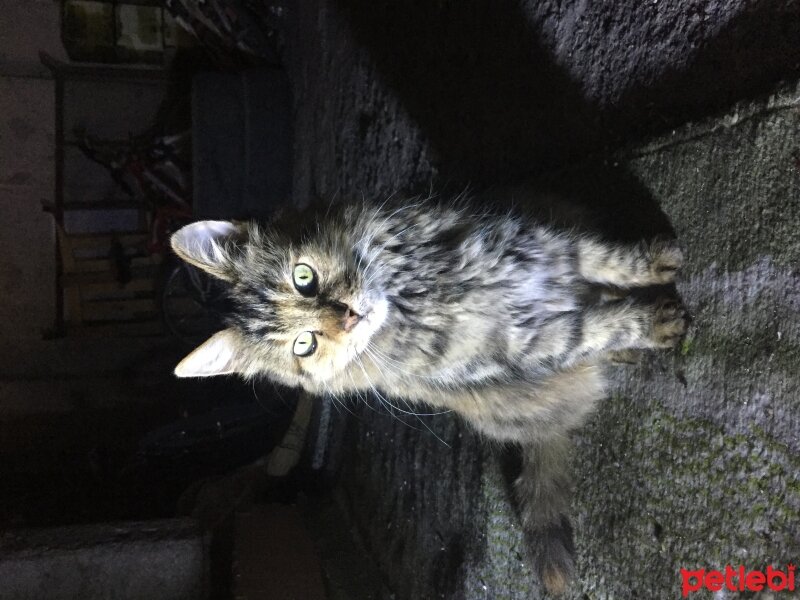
x: 543, y: 491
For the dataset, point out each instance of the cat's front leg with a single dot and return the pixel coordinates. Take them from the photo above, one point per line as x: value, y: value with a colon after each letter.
x: 629, y: 265
x: 575, y: 336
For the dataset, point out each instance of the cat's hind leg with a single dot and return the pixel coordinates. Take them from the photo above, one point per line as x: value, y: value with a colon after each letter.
x: 629, y: 265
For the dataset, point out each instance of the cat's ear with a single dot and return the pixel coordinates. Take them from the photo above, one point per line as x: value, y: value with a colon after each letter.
x: 219, y: 355
x: 208, y: 245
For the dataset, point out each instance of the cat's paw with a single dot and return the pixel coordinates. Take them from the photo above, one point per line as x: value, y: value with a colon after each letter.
x: 669, y: 323
x: 666, y: 259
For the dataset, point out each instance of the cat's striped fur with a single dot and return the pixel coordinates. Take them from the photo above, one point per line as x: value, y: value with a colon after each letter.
x: 495, y: 317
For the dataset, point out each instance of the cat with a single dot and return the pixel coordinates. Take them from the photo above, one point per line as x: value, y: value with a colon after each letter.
x: 496, y: 317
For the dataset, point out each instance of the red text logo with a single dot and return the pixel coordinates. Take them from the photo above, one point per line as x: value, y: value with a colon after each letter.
x: 738, y: 580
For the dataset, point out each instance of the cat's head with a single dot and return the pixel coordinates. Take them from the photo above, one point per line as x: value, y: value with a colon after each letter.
x: 302, y: 311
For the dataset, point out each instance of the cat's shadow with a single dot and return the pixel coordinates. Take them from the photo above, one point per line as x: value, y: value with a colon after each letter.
x: 592, y: 196
x: 497, y: 109
x: 500, y: 114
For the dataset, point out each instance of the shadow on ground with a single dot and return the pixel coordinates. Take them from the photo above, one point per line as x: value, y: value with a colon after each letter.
x: 510, y: 90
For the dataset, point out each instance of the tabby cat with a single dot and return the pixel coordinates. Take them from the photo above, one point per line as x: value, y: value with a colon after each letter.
x: 494, y: 317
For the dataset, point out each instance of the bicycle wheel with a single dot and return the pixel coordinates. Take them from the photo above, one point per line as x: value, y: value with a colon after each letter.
x: 190, y: 302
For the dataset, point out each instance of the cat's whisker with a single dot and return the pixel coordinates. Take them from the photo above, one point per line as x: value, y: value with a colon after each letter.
x: 379, y: 228
x: 369, y: 382
x: 361, y: 244
x: 357, y: 390
x: 388, y: 361
x: 335, y: 404
x: 281, y: 396
x: 376, y: 211
x: 377, y: 253
x: 374, y: 253
x: 376, y: 362
x: 386, y: 404
x: 338, y: 401
x: 363, y: 397
x: 330, y: 204
x: 397, y: 408
x: 364, y: 243
x: 258, y: 400
x: 255, y: 394
x: 408, y: 405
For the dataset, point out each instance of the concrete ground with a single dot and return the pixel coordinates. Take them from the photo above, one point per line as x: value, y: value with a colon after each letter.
x: 693, y: 461
x: 159, y: 559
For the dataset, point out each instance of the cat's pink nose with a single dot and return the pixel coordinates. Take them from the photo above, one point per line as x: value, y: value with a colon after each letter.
x: 350, y: 319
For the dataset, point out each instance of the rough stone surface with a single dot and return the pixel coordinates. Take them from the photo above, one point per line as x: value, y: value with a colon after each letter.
x: 693, y: 461
x: 158, y: 559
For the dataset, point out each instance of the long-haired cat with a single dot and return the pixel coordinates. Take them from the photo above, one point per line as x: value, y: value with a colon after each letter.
x: 495, y: 317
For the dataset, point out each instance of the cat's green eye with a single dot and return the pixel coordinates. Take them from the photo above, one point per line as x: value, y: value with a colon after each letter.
x: 305, y: 280
x: 305, y: 344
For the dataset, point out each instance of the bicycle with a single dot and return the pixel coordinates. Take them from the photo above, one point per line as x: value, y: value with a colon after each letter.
x: 153, y: 171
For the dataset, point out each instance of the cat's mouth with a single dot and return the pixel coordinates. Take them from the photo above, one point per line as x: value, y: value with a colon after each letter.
x: 362, y: 322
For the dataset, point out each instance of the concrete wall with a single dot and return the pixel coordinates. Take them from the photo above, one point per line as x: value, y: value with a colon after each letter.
x: 692, y: 462
x: 27, y: 128
x: 27, y: 27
